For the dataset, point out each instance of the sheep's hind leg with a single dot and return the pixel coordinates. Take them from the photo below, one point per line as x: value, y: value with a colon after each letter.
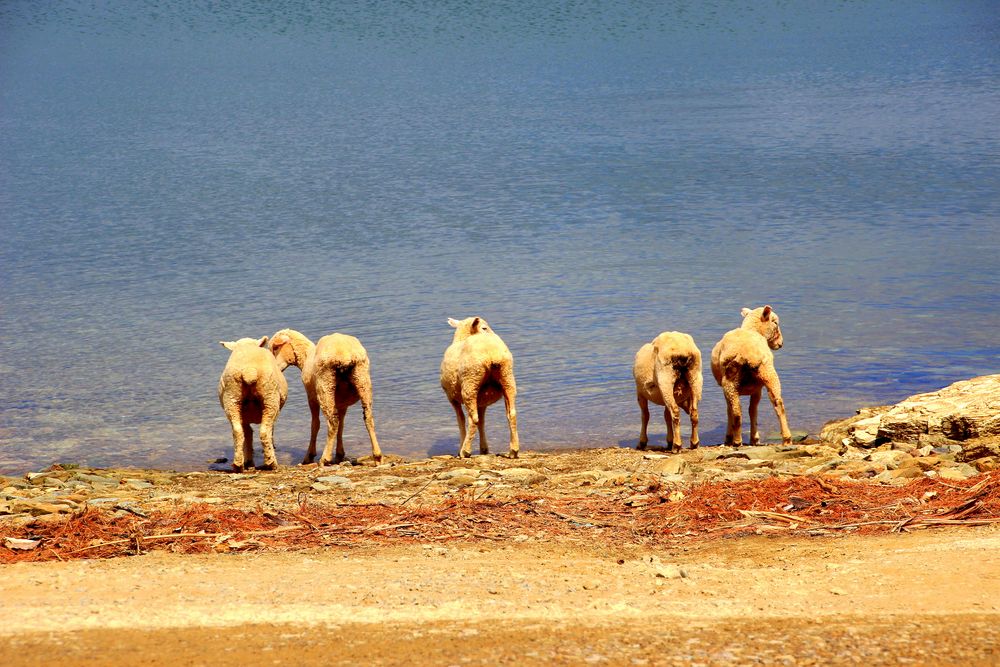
x: 341, y: 413
x: 326, y: 390
x: 363, y: 385
x: 461, y: 421
x: 754, y: 402
x: 269, y: 416
x: 239, y: 451
x: 773, y: 385
x: 247, y: 445
x: 470, y: 389
x: 313, y: 433
x: 484, y: 447
x: 509, y: 389
x: 693, y: 413
x: 644, y: 408
x: 734, y: 420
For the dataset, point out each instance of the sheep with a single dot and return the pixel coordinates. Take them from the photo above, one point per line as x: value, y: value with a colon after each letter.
x: 742, y: 363
x: 667, y: 372
x: 336, y: 375
x: 252, y: 390
x: 477, y: 369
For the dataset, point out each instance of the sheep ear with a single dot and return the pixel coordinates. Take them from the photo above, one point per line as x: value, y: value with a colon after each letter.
x: 766, y: 315
x: 229, y: 345
x: 279, y: 339
x: 476, y: 322
x: 745, y: 312
x: 262, y: 342
x: 453, y: 322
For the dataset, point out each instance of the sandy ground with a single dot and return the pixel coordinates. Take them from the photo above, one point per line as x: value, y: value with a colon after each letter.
x: 928, y: 597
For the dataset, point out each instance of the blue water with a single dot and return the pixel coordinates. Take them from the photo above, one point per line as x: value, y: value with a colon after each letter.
x: 584, y: 174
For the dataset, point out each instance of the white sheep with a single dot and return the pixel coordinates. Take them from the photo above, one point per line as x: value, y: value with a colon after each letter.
x: 476, y: 371
x: 252, y: 390
x: 667, y: 372
x: 336, y: 375
x: 743, y: 364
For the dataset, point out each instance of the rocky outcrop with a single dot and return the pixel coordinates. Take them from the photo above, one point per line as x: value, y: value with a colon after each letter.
x: 963, y: 411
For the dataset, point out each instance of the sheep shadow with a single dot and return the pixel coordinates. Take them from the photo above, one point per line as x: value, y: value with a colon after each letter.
x: 658, y: 439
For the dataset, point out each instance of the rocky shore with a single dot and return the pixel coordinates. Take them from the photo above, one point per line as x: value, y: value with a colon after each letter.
x: 949, y: 435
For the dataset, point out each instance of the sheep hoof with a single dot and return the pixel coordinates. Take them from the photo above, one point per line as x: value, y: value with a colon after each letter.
x: 786, y: 441
x: 324, y: 462
x: 694, y: 445
x: 308, y: 460
x: 268, y: 466
x: 642, y: 444
x: 676, y: 449
x: 237, y: 468
x: 512, y: 454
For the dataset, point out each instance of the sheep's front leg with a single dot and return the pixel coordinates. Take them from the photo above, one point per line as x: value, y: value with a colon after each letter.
x: 734, y: 419
x: 484, y: 447
x: 509, y: 389
x: 268, y: 418
x: 247, y: 445
x: 341, y: 414
x: 644, y: 408
x: 773, y: 385
x: 754, y: 402
x: 313, y: 433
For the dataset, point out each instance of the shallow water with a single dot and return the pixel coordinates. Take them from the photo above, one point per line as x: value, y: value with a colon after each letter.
x: 582, y: 174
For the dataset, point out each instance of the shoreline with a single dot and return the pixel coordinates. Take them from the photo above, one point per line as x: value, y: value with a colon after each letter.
x: 855, y: 548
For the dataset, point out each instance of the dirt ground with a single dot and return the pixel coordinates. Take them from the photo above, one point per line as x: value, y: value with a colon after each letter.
x: 927, y: 597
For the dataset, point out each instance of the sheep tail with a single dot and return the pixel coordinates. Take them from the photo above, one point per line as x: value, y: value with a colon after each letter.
x: 250, y: 376
x: 682, y: 362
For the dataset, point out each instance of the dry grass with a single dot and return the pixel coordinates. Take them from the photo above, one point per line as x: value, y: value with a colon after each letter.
x: 656, y: 516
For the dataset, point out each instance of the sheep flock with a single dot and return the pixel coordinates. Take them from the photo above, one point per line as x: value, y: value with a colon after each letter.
x: 477, y: 370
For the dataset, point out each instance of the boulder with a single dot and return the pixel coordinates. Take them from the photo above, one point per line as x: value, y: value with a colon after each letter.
x: 959, y: 412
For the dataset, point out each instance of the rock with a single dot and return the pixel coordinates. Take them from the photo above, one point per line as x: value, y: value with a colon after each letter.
x: 670, y: 466
x: 670, y: 571
x: 577, y: 478
x: 457, y: 472
x: 889, y: 458
x: 958, y: 472
x: 523, y: 476
x: 987, y: 463
x: 757, y: 463
x: 978, y: 450
x: 36, y: 508
x: 334, y: 480
x: 20, y: 544
x: 95, y: 480
x: 460, y: 481
x: 138, y: 483
x: 961, y: 411
x: 320, y: 487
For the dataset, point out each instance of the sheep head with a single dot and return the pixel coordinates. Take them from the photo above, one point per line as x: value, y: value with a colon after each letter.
x: 467, y: 327
x: 256, y: 342
x: 282, y: 349
x: 765, y: 322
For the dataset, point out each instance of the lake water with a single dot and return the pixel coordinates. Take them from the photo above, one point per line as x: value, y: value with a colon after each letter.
x: 583, y: 174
